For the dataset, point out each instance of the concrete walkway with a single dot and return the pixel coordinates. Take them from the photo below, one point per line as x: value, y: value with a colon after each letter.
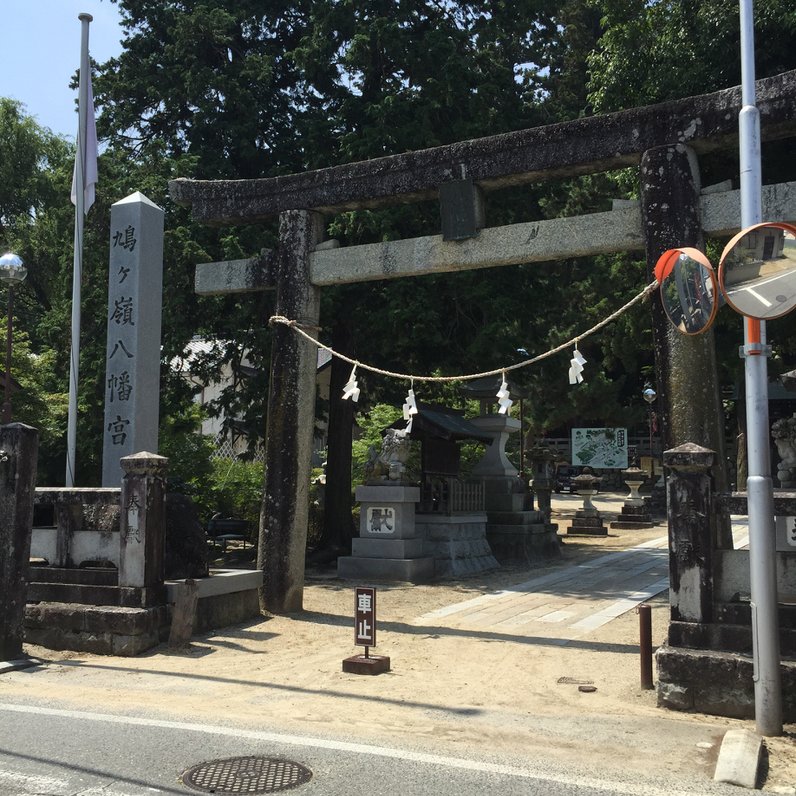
x: 569, y: 603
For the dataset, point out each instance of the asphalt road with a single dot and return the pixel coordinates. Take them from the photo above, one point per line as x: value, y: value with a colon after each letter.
x: 50, y: 752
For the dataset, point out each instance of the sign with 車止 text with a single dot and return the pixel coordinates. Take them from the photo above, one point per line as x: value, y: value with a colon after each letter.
x: 365, y: 616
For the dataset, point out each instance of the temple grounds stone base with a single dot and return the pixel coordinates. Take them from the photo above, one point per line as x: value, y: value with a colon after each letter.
x: 587, y: 526
x: 514, y: 532
x: 389, y: 547
x: 633, y: 518
x: 522, y: 536
x: 227, y: 597
x: 718, y: 683
x: 99, y: 629
x: 411, y: 570
x: 457, y: 543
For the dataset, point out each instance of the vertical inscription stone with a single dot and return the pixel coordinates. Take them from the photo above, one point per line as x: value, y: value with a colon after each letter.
x: 132, y: 359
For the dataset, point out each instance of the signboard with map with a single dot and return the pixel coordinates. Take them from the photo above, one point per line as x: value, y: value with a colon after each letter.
x: 600, y: 447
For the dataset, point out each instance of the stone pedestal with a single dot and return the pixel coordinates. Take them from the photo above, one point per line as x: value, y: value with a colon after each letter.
x: 388, y: 547
x: 373, y: 664
x: 635, y: 512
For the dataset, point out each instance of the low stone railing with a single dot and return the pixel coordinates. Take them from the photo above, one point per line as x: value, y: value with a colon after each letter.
x: 448, y: 495
x: 121, y: 529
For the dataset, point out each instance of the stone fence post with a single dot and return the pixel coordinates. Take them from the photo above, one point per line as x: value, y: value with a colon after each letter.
x: 142, y: 529
x: 689, y: 499
x: 19, y: 445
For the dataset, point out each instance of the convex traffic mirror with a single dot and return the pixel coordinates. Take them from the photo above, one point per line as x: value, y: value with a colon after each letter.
x: 689, y: 291
x: 757, y: 272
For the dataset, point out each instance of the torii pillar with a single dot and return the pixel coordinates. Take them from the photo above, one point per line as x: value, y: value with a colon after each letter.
x: 685, y: 365
x: 291, y: 418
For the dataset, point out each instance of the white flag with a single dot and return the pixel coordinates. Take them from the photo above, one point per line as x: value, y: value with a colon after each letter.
x: 90, y: 166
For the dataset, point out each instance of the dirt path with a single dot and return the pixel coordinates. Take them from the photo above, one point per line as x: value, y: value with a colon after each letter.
x: 461, y: 691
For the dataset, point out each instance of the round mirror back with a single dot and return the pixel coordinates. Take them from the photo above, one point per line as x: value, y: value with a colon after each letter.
x: 688, y: 289
x: 757, y: 273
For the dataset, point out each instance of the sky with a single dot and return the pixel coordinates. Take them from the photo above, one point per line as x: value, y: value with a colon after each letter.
x: 41, y: 53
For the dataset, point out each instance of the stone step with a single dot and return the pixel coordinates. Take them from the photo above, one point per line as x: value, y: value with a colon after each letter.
x: 412, y: 570
x: 85, y: 594
x: 514, y: 517
x: 103, y: 630
x: 496, y: 529
x: 89, y: 576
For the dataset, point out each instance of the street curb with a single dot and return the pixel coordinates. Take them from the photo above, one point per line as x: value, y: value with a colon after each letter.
x: 739, y: 758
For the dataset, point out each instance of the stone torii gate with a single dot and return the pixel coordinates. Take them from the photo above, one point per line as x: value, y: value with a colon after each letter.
x: 665, y: 141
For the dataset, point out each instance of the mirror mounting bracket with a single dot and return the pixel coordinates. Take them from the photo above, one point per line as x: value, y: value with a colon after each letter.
x: 754, y: 350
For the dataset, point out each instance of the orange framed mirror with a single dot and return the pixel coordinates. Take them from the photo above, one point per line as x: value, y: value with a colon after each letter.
x: 757, y: 272
x: 688, y: 289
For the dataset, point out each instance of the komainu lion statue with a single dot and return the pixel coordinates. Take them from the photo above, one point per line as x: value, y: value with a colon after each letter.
x: 388, y: 464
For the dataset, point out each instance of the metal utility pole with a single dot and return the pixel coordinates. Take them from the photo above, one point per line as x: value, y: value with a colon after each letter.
x: 762, y: 550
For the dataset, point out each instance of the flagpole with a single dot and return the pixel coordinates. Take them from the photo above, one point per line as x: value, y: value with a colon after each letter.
x: 80, y: 180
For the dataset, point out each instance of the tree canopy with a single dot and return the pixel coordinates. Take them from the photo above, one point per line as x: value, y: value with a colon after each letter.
x: 220, y: 89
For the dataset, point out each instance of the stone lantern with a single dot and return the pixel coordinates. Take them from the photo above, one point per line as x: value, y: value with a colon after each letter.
x: 588, y: 519
x: 635, y: 512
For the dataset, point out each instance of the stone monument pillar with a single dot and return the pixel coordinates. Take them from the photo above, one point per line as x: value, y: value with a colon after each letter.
x: 132, y: 358
x: 142, y: 530
x: 691, y: 532
x: 19, y: 446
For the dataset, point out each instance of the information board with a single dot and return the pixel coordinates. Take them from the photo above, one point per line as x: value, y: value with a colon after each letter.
x: 599, y: 447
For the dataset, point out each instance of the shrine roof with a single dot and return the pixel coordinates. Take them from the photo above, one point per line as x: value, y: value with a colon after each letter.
x: 444, y: 423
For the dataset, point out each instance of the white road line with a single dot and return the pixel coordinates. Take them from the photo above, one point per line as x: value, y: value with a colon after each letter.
x: 631, y: 789
x: 764, y: 301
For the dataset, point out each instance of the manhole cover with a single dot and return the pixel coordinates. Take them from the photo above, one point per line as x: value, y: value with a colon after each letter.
x: 573, y: 681
x: 246, y: 775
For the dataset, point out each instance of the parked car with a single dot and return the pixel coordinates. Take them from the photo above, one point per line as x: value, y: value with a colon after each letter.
x: 564, y: 477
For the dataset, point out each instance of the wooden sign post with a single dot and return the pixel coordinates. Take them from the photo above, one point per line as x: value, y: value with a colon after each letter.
x: 365, y: 635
